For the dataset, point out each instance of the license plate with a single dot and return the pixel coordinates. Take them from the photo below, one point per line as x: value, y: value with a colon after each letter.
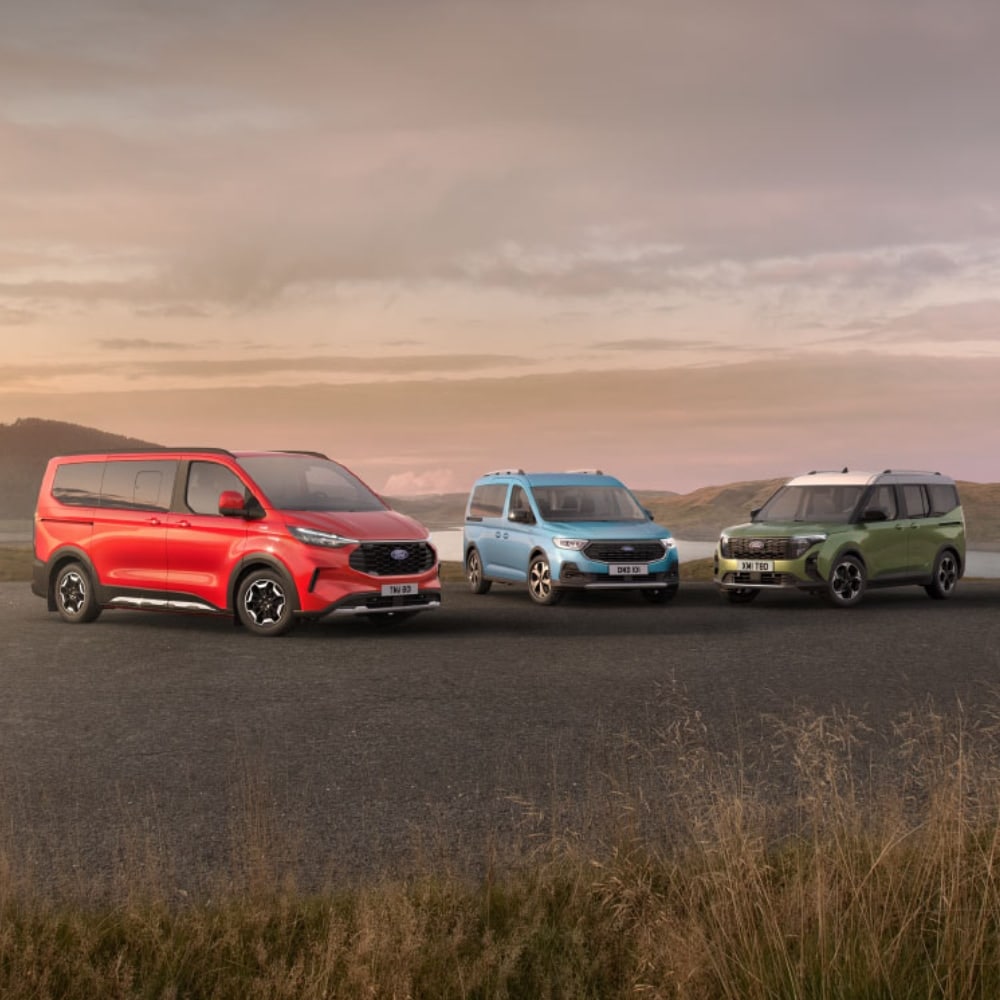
x: 625, y: 569
x: 398, y: 589
x: 756, y: 566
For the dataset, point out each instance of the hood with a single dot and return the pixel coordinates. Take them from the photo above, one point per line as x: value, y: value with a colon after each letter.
x: 364, y: 525
x: 608, y: 530
x: 782, y: 529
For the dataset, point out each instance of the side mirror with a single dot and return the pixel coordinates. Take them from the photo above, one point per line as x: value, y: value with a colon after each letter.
x: 874, y: 514
x: 648, y: 513
x: 520, y: 516
x: 754, y: 513
x: 231, y: 504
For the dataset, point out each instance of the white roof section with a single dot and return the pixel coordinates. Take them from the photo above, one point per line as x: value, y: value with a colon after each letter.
x: 834, y: 479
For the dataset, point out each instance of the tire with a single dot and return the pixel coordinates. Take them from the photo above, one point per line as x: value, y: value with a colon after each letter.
x: 478, y: 584
x: 662, y: 595
x: 540, y: 582
x: 846, y: 585
x: 74, y: 594
x: 264, y: 603
x: 744, y: 595
x: 945, y: 579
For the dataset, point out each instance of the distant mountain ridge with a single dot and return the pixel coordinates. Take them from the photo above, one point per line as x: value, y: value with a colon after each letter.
x: 28, y: 444
x: 26, y: 447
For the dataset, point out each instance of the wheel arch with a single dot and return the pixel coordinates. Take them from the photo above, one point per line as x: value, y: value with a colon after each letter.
x: 260, y: 560
x: 69, y: 554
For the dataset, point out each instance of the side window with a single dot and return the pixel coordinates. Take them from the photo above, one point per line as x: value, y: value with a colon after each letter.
x: 138, y: 485
x: 78, y: 484
x: 519, y: 499
x: 206, y: 480
x: 915, y: 501
x: 488, y: 500
x: 884, y: 499
x: 944, y: 497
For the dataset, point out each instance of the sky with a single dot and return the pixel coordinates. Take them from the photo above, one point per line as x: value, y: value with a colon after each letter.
x: 687, y: 243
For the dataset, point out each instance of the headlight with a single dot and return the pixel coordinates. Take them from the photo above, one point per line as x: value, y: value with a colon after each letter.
x: 324, y: 539
x: 668, y: 544
x: 576, y: 544
x: 724, y: 549
x: 799, y: 545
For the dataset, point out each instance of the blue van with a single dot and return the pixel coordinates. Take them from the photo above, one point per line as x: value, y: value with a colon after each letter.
x: 557, y: 531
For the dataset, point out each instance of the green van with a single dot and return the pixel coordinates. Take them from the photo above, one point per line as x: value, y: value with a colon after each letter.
x: 839, y: 533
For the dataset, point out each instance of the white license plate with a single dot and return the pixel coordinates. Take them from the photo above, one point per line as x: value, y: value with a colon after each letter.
x: 398, y: 589
x: 756, y: 566
x: 625, y: 569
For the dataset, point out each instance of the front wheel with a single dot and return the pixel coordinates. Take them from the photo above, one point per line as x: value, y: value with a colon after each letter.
x: 846, y: 585
x: 478, y: 584
x: 540, y: 582
x: 662, y: 595
x: 264, y: 603
x: 743, y: 595
x: 945, y: 579
x: 76, y: 601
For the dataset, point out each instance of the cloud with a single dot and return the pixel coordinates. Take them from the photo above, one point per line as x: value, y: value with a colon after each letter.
x: 653, y: 344
x: 143, y: 344
x: 411, y: 483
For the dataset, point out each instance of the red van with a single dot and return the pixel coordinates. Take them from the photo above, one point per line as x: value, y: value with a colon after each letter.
x: 269, y: 537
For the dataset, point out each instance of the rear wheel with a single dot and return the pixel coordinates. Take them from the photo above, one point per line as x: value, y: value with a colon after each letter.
x: 76, y: 601
x: 744, y: 595
x: 478, y: 584
x: 846, y: 585
x: 945, y: 579
x: 264, y: 603
x: 540, y: 581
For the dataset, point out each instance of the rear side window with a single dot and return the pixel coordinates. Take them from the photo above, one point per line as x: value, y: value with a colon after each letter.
x: 943, y: 497
x: 488, y: 500
x: 915, y: 501
x: 139, y: 485
x: 78, y: 484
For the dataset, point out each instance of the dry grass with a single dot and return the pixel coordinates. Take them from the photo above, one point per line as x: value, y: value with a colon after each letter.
x: 810, y: 866
x: 15, y: 564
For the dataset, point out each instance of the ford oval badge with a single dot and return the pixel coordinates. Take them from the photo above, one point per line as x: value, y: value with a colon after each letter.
x: 399, y: 554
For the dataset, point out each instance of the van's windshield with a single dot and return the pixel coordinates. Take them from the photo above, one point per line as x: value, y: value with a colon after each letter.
x: 587, y: 503
x: 306, y: 482
x: 835, y: 503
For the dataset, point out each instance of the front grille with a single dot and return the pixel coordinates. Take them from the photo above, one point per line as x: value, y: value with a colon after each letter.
x: 624, y: 552
x: 763, y: 579
x: 379, y: 558
x: 762, y: 548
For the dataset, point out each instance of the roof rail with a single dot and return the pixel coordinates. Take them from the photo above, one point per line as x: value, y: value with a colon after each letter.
x: 826, y: 472
x: 303, y: 451
x: 585, y: 472
x: 908, y: 472
x: 504, y: 472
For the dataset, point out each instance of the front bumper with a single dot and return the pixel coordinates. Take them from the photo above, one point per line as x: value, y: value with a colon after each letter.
x: 571, y: 576
x: 788, y: 574
x: 375, y: 603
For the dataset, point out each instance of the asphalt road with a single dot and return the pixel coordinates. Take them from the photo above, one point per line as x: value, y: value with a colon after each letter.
x: 341, y: 749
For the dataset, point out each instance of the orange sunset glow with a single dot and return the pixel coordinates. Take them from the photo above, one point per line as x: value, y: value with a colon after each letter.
x: 688, y: 244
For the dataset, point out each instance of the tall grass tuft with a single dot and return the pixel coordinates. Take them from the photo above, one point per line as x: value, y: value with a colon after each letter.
x: 822, y: 859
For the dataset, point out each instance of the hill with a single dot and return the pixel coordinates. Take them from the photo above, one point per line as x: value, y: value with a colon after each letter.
x: 25, y: 448
x: 27, y: 444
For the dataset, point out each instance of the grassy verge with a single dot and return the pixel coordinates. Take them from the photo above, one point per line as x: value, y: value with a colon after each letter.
x: 695, y: 874
x: 15, y: 564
